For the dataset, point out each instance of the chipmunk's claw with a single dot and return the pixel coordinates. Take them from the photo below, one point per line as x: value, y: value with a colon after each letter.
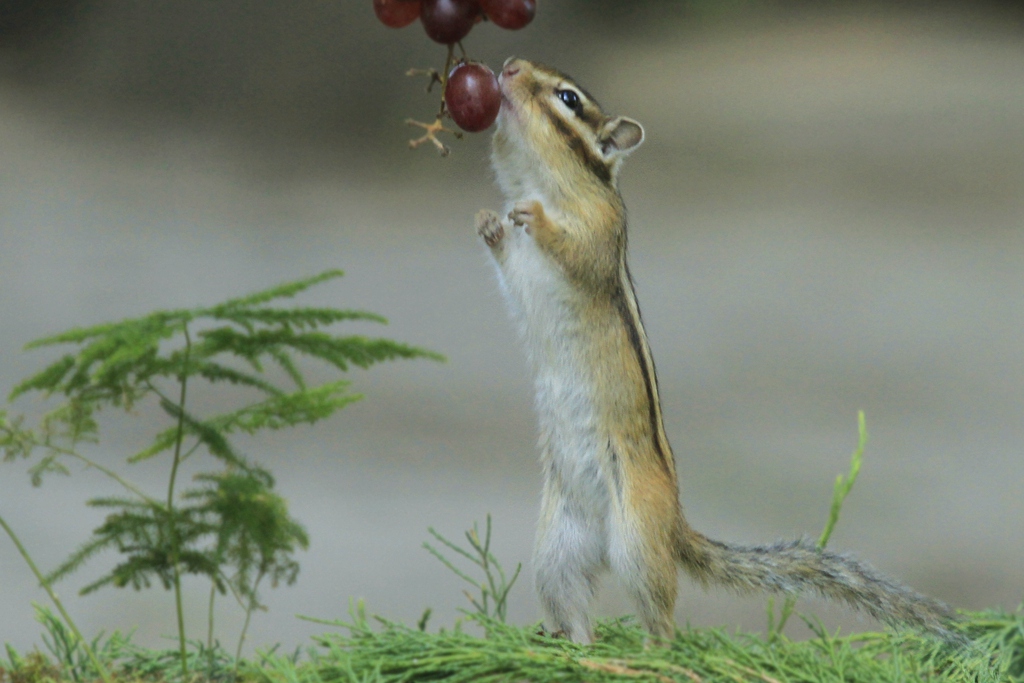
x: 431, y: 135
x: 489, y: 227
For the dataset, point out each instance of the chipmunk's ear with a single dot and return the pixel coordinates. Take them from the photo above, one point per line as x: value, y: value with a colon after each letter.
x: 620, y: 136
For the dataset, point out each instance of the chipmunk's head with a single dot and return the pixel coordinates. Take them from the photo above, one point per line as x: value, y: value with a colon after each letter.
x: 551, y: 131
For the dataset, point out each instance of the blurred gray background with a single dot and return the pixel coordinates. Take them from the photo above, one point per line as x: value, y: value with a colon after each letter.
x: 826, y: 217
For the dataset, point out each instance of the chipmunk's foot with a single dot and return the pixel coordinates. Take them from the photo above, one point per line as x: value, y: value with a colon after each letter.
x: 527, y: 214
x: 488, y: 226
x: 431, y: 135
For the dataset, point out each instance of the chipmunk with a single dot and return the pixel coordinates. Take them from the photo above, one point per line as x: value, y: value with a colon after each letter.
x: 610, y: 495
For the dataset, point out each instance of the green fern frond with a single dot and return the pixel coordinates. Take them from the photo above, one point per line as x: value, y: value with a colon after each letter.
x: 207, y: 432
x: 142, y: 506
x: 163, y: 441
x: 72, y: 422
x: 48, y: 380
x: 248, y: 345
x: 120, y: 351
x: 79, y: 556
x: 215, y: 372
x: 16, y: 442
x: 48, y: 464
x: 253, y: 526
x: 284, y: 291
x: 158, y: 320
x: 305, y: 406
x: 307, y: 317
x: 288, y: 365
x: 341, y: 352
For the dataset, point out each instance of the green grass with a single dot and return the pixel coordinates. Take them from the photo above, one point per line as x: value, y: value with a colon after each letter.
x: 370, y: 649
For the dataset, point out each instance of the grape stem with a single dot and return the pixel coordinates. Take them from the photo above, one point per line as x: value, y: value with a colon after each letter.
x: 437, y: 126
x: 431, y: 135
x: 431, y: 74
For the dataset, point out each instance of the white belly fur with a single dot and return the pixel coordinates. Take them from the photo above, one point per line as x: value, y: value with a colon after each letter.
x: 570, y: 440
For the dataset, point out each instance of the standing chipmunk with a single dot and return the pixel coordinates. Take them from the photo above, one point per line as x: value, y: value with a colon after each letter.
x: 610, y: 498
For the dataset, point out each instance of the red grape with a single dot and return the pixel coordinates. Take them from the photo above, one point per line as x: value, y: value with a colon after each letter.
x: 397, y: 13
x: 448, y: 21
x: 510, y: 14
x: 472, y: 96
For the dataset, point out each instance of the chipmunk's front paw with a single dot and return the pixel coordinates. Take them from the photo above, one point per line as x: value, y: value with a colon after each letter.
x: 488, y: 226
x: 527, y: 214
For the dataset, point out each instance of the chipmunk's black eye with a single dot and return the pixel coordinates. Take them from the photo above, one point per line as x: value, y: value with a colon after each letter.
x: 571, y: 99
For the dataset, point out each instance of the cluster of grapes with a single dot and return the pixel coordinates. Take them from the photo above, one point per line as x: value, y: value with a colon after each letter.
x: 449, y: 21
x: 469, y: 90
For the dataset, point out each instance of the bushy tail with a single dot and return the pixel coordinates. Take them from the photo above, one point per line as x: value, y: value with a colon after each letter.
x: 799, y: 567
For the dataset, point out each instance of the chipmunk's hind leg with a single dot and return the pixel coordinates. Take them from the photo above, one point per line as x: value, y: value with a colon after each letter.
x: 569, y: 558
x: 644, y: 530
x: 645, y: 564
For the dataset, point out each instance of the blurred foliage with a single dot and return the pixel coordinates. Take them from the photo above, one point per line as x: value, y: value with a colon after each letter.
x: 231, y: 527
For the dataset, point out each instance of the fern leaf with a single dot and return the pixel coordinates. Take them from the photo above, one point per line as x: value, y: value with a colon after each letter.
x: 15, y: 442
x: 136, y: 571
x: 111, y: 578
x: 163, y: 441
x: 78, y: 335
x: 71, y: 422
x: 242, y: 344
x: 128, y: 354
x: 363, y: 352
x: 248, y: 346
x: 305, y: 406
x: 142, y: 506
x: 79, y: 556
x: 215, y: 372
x: 305, y: 317
x: 288, y: 365
x: 208, y: 432
x: 48, y: 464
x: 114, y: 359
x: 284, y: 291
x: 48, y: 380
x: 255, y: 534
